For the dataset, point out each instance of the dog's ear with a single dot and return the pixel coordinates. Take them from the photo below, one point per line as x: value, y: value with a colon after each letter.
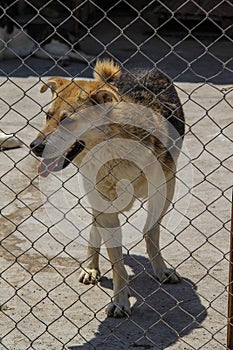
x: 54, y: 84
x: 104, y: 96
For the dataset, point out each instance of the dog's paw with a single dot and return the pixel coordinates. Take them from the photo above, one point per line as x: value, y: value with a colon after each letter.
x: 169, y: 276
x: 120, y: 306
x: 118, y: 309
x: 89, y: 276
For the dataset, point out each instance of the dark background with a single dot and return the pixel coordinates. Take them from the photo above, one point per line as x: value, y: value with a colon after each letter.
x: 190, y: 42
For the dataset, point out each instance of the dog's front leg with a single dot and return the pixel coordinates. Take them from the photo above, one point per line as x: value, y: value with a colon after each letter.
x: 90, y: 268
x: 120, y: 305
x: 110, y: 230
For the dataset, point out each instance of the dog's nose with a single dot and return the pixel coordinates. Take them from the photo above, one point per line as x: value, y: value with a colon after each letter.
x: 37, y: 146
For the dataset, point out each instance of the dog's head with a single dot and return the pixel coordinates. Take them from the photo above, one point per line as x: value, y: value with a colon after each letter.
x: 69, y: 98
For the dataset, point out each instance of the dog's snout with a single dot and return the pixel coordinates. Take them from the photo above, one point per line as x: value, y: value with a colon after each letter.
x: 37, y: 146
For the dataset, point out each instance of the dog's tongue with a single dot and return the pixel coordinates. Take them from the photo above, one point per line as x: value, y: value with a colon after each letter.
x: 47, y: 166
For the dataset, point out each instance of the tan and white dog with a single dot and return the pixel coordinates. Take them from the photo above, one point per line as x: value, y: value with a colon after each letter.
x: 145, y: 113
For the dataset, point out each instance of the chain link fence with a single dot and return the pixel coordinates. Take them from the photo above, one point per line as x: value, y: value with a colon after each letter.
x: 45, y: 222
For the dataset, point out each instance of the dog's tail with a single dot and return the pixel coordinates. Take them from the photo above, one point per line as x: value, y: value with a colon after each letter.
x: 106, y: 71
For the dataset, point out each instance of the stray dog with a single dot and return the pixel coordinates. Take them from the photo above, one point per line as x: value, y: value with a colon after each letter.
x: 154, y: 92
x: 15, y: 43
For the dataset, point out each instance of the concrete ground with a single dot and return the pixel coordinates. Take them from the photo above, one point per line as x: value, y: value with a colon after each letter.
x: 43, y: 306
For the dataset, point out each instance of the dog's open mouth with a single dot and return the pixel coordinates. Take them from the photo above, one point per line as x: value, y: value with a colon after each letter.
x: 58, y: 163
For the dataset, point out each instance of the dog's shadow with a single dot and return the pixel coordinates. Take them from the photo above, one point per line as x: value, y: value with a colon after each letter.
x: 161, y: 315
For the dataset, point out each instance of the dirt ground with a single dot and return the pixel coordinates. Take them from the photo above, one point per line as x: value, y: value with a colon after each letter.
x: 43, y: 304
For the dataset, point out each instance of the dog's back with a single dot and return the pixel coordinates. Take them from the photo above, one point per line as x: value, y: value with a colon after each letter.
x: 155, y: 90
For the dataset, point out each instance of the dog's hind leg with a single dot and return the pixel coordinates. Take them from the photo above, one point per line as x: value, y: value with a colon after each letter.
x: 158, y: 204
x: 90, y: 268
x: 163, y: 273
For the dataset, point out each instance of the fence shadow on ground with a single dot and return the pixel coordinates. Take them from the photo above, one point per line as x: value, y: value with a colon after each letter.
x: 161, y: 315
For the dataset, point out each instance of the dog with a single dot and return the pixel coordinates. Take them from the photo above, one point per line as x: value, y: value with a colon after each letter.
x: 157, y: 131
x: 15, y: 43
x: 37, y: 40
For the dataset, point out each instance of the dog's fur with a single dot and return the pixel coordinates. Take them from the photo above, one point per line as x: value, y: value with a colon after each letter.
x: 147, y: 88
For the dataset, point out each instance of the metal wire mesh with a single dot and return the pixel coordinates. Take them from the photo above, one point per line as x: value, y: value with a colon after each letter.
x: 42, y: 303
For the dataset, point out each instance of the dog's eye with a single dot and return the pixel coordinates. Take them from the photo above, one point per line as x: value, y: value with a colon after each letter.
x: 48, y: 116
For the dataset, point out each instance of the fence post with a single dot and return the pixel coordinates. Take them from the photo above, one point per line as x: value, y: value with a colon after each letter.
x: 230, y: 291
